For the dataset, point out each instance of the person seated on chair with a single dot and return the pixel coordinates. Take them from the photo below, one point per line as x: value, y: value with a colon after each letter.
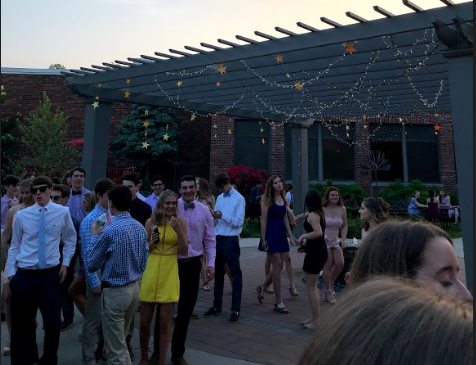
x: 414, y: 205
x: 445, y: 202
x: 433, y: 203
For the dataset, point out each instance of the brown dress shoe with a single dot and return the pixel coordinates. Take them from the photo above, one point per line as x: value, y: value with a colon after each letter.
x: 180, y: 361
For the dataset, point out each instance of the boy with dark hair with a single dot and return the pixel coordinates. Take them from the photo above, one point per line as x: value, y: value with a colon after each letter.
x: 158, y: 187
x: 139, y: 210
x: 10, y: 183
x: 78, y: 190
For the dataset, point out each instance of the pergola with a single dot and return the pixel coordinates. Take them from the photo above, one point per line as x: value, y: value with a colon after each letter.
x: 419, y: 62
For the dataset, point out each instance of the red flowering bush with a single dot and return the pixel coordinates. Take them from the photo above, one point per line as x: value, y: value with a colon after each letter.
x: 244, y: 176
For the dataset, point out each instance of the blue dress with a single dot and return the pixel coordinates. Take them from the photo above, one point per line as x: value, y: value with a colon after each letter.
x: 276, y: 230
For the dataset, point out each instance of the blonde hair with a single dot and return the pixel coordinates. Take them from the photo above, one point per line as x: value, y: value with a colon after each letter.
x: 392, y: 322
x: 269, y: 196
x: 90, y: 197
x: 158, y: 215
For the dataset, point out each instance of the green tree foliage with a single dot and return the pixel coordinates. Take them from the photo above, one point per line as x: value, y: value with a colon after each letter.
x: 129, y: 144
x: 57, y: 66
x: 44, y: 140
x: 9, y: 127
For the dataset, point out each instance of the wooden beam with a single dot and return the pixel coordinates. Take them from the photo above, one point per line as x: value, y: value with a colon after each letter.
x: 356, y: 17
x: 412, y: 6
x: 330, y: 22
x: 228, y: 43
x: 244, y: 39
x: 285, y: 31
x: 264, y: 35
x: 382, y: 11
x: 307, y: 27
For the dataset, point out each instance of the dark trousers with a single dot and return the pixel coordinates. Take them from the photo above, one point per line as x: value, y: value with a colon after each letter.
x: 32, y: 291
x: 67, y: 304
x: 189, y: 275
x: 228, y: 251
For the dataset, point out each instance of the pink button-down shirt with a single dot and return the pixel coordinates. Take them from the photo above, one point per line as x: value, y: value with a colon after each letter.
x: 200, y: 231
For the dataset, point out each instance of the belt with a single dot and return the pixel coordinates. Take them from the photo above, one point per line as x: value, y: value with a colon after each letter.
x: 105, y: 285
x: 188, y: 259
x: 39, y: 271
x: 223, y: 237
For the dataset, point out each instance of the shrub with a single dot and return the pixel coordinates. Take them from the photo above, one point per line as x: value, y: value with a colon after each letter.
x: 243, y: 177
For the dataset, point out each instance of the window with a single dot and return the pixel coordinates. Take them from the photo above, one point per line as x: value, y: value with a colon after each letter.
x: 249, y: 149
x: 338, y: 157
x: 388, y: 139
x: 422, y: 154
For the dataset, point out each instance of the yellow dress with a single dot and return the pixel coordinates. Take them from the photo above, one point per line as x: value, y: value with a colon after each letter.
x: 160, y: 281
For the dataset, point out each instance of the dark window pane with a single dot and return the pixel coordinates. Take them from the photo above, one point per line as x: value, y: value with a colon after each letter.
x: 393, y: 153
x: 338, y: 160
x: 385, y: 132
x: 421, y: 133
x: 338, y: 131
x: 423, y: 161
x: 249, y: 149
x: 313, y: 152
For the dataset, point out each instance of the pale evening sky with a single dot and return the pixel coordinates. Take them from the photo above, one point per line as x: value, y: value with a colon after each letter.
x: 37, y: 33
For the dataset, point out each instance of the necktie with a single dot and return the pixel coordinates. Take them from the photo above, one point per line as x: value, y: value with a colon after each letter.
x: 42, y: 240
x: 75, y: 192
x: 189, y: 205
x: 108, y: 216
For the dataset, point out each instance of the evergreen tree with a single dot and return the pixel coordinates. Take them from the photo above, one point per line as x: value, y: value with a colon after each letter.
x: 9, y: 152
x: 44, y: 141
x: 146, y: 135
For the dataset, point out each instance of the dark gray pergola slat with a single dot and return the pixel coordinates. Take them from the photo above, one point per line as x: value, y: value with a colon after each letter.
x: 164, y: 55
x: 151, y: 58
x: 89, y: 69
x: 384, y: 12
x: 412, y: 6
x: 171, y: 50
x: 330, y: 22
x: 100, y: 67
x: 356, y: 17
x: 83, y: 72
x: 139, y: 60
x: 244, y: 39
x: 285, y: 31
x: 266, y: 36
x: 307, y: 27
x: 211, y: 46
x: 70, y: 73
x: 198, y: 50
x: 111, y: 65
x: 228, y: 43
x: 125, y: 63
x: 447, y: 2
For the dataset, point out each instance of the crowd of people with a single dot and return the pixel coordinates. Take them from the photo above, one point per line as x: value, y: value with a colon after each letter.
x: 156, y: 252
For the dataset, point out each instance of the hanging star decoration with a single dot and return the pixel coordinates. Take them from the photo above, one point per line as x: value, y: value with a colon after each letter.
x: 145, y: 145
x: 215, y: 136
x: 193, y: 117
x: 179, y: 83
x: 298, y: 85
x: 128, y: 81
x: 127, y: 94
x: 166, y: 137
x: 379, y: 116
x: 263, y: 141
x: 146, y: 124
x: 437, y: 127
x: 215, y: 126
x: 218, y: 84
x: 229, y: 132
x: 288, y: 76
x: 347, y: 135
x: 273, y: 127
x: 222, y: 69
x: 279, y: 58
x: 261, y: 130
x: 364, y: 117
x: 350, y: 48
x: 365, y: 126
x: 146, y: 112
x: 347, y: 128
x: 95, y: 104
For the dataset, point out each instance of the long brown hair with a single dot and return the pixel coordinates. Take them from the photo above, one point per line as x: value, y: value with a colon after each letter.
x: 392, y: 322
x: 393, y: 248
x: 269, y: 197
x: 328, y: 192
x: 203, y: 188
x: 379, y: 210
x: 158, y: 216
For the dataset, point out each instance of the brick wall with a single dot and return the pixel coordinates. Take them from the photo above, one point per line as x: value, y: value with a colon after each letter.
x: 222, y: 151
x: 277, y: 151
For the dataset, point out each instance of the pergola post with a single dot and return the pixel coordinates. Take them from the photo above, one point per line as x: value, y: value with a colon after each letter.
x: 300, y: 167
x: 461, y: 84
x: 95, y: 145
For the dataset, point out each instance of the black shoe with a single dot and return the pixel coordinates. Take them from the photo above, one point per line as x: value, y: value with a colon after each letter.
x: 211, y: 312
x: 235, y: 316
x: 66, y: 324
x: 131, y: 353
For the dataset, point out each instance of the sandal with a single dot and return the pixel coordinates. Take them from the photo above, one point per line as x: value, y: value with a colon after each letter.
x: 293, y: 292
x: 329, y: 297
x: 206, y: 287
x: 269, y: 291
x: 259, y: 290
x: 282, y: 310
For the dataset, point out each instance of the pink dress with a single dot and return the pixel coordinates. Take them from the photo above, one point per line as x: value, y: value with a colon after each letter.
x: 331, y: 235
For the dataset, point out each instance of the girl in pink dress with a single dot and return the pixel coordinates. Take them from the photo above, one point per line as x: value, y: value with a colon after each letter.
x: 336, y: 221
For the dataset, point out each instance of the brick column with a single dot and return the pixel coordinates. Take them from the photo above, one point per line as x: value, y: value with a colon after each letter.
x: 222, y: 151
x: 277, y: 151
x: 362, y: 149
x: 447, y: 156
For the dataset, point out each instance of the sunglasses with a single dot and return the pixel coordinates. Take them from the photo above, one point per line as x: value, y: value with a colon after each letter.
x: 55, y: 198
x: 42, y: 189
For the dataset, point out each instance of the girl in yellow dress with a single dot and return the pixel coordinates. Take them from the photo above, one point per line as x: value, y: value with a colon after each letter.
x: 167, y: 236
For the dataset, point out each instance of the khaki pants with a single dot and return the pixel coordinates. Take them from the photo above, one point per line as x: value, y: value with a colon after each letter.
x: 92, y: 329
x: 119, y: 305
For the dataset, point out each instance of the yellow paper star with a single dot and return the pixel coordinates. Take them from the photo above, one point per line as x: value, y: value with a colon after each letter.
x: 146, y: 112
x: 215, y: 136
x: 350, y: 48
x: 215, y: 126
x: 229, y: 132
x: 145, y: 145
x: 260, y: 122
x: 279, y: 58
x: 222, y: 69
x: 400, y: 120
x: 167, y: 127
x: 146, y: 124
x: 128, y: 81
x: 179, y: 83
x: 193, y: 117
x: 347, y: 135
x: 364, y: 117
x: 437, y: 127
x: 127, y: 94
x: 298, y: 85
x: 347, y: 127
x: 166, y: 137
x: 344, y: 44
x: 273, y: 127
x: 95, y: 104
x: 365, y: 126
x: 378, y: 115
x: 218, y: 83
x: 261, y: 130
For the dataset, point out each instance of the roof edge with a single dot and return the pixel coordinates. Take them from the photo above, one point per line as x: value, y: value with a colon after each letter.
x: 31, y: 71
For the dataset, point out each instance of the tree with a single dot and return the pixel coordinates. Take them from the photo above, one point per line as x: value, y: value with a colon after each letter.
x: 57, y: 66
x: 146, y: 135
x: 9, y: 152
x: 44, y: 140
x: 376, y: 162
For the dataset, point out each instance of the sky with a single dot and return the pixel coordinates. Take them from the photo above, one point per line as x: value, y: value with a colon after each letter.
x: 36, y: 34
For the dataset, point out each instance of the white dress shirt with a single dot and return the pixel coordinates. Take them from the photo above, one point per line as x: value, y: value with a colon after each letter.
x: 140, y: 196
x: 232, y: 208
x: 23, y: 251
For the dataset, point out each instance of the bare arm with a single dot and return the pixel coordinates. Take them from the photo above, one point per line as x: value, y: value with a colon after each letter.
x: 315, y: 221
x: 180, y: 227
x: 264, y: 221
x: 6, y: 235
x: 345, y: 228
